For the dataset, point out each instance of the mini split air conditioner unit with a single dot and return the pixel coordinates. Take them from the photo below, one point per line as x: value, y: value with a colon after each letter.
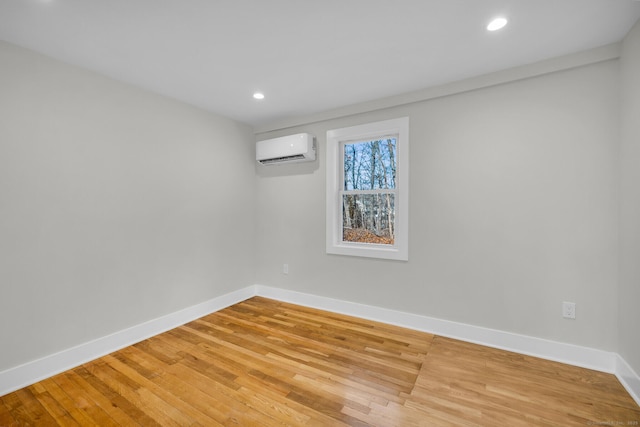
x: 286, y: 149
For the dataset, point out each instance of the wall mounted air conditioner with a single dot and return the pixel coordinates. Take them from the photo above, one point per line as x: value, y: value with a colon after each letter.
x: 286, y: 149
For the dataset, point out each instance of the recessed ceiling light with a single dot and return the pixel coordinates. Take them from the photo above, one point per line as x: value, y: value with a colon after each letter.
x: 258, y: 95
x: 496, y: 24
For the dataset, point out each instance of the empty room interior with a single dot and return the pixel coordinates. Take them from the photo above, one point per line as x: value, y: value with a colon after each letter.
x: 320, y: 213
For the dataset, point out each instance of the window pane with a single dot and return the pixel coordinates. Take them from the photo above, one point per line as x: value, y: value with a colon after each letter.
x: 370, y: 165
x: 368, y: 218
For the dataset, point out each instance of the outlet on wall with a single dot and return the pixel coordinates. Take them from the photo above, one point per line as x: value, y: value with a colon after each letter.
x: 569, y: 310
x: 285, y: 268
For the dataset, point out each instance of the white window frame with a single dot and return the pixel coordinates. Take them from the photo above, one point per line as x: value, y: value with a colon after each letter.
x: 336, y: 139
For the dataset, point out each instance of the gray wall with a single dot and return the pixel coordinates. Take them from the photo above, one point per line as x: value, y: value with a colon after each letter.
x: 116, y: 206
x: 513, y: 209
x: 629, y: 313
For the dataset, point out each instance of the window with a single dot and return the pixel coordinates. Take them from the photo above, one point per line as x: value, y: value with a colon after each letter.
x: 367, y: 190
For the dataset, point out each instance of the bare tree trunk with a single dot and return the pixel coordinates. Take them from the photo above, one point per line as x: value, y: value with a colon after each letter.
x: 392, y: 162
x: 390, y: 217
x: 374, y: 152
x: 386, y: 185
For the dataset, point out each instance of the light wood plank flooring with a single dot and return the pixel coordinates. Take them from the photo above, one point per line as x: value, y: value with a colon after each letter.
x: 267, y: 363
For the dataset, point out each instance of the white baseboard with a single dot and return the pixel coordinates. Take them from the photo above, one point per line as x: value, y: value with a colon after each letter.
x: 551, y: 350
x: 628, y: 377
x: 31, y: 372
x: 604, y: 361
x: 570, y: 354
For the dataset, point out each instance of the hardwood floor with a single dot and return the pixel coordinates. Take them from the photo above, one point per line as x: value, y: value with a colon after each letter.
x: 267, y: 363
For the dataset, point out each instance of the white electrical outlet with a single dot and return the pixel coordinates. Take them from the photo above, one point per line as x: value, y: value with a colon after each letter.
x: 285, y: 268
x: 569, y: 310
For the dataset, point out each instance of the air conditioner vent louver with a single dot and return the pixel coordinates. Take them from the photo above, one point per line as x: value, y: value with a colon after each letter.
x: 282, y: 159
x: 286, y: 149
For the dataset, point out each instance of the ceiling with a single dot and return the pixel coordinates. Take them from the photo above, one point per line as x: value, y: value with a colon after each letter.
x: 305, y: 56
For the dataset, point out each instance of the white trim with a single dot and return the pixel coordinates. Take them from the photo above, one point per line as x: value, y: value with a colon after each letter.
x: 29, y: 373
x: 398, y: 127
x: 628, y: 378
x: 567, y: 62
x: 585, y: 357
